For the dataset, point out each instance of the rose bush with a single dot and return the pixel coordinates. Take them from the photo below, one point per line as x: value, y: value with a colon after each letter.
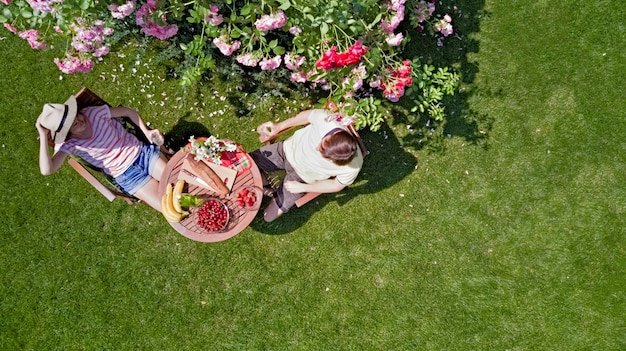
x: 351, y: 50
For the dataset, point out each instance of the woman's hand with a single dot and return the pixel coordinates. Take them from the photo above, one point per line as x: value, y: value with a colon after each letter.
x: 321, y: 186
x: 44, y: 133
x: 155, y: 137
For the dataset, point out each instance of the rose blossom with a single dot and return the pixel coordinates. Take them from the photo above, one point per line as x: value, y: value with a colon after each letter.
x: 90, y: 39
x: 331, y: 59
x: 396, y: 4
x: 122, y: 11
x: 248, y: 59
x: 271, y: 22
x: 10, y: 27
x: 45, y: 6
x: 298, y: 77
x: 149, y: 27
x: 225, y: 48
x: 444, y: 26
x: 213, y: 17
x: 393, y: 97
x: 328, y: 59
x: 394, y: 22
x: 294, y: 61
x: 394, y: 40
x: 393, y: 87
x: 423, y: 10
x: 101, y: 51
x: 72, y: 64
x: 273, y: 63
x: 32, y: 36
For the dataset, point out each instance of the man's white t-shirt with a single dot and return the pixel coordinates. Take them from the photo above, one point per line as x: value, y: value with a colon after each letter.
x: 301, y: 150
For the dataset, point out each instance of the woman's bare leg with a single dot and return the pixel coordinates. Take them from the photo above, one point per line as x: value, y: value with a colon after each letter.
x: 149, y: 194
x: 272, y: 211
x: 159, y: 167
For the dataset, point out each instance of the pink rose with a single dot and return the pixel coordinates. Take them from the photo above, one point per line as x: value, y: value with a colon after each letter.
x: 122, y: 11
x: 268, y: 64
x: 10, y: 27
x: 271, y: 22
x: 394, y: 40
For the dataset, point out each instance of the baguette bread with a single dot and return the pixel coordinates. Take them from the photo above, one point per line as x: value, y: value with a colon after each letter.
x: 208, y: 175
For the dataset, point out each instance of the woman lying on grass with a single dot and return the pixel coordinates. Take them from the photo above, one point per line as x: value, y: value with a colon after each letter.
x: 95, y: 135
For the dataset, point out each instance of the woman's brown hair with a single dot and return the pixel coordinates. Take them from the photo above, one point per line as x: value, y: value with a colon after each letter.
x: 339, y: 147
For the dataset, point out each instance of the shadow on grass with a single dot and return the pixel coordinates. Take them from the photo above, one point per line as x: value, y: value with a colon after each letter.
x: 386, y: 165
x: 178, y: 136
x: 460, y: 119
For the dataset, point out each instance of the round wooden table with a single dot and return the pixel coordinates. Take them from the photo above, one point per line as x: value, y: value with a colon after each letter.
x: 239, y: 218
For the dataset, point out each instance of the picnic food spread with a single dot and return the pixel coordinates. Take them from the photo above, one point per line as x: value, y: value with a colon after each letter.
x: 208, y: 213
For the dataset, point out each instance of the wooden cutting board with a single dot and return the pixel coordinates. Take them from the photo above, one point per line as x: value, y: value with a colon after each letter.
x: 227, y: 175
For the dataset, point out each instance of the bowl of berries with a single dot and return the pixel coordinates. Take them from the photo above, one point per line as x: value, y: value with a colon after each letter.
x: 213, y: 215
x: 248, y: 197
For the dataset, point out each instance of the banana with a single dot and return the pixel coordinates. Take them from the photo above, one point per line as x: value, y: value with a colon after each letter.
x: 167, y: 211
x: 178, y: 189
x: 167, y: 207
x: 169, y: 216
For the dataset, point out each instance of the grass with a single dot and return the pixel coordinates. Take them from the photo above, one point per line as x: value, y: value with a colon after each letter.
x: 505, y: 234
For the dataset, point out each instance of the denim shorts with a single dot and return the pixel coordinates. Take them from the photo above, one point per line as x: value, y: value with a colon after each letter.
x: 139, y: 173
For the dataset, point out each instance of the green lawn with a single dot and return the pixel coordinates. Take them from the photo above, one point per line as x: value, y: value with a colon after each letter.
x: 508, y: 233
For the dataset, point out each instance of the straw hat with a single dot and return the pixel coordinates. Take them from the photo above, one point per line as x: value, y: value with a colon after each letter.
x: 58, y: 118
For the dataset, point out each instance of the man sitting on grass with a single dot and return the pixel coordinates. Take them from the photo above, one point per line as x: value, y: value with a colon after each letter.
x: 323, y: 157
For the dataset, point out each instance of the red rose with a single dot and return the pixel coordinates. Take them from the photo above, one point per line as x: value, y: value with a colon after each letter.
x: 328, y: 59
x: 357, y: 49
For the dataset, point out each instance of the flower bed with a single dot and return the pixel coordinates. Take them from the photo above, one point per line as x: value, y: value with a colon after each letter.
x: 351, y: 51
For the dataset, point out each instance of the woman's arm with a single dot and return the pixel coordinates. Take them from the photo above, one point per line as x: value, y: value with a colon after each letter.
x: 153, y: 135
x: 268, y: 130
x: 47, y: 164
x: 322, y: 186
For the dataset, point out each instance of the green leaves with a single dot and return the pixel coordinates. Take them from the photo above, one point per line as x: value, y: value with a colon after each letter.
x: 198, y: 14
x: 26, y: 13
x: 323, y: 24
x: 324, y: 28
x: 195, y: 47
x: 84, y: 4
x: 284, y: 5
x: 276, y: 49
x: 432, y: 85
x: 245, y: 11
